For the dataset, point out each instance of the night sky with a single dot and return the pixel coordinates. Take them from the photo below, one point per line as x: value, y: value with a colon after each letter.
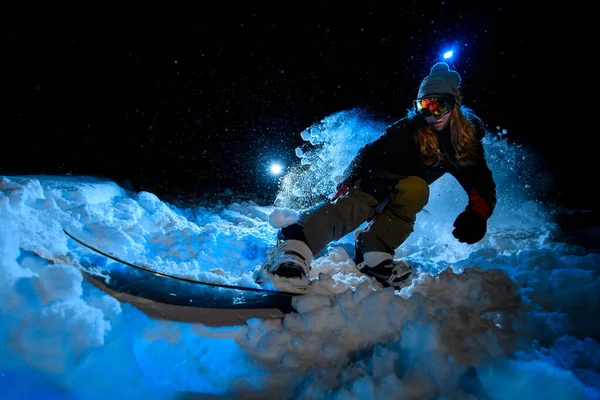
x: 173, y: 99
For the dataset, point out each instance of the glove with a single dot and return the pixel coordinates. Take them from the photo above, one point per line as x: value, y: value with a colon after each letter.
x: 469, y: 227
x: 342, y: 189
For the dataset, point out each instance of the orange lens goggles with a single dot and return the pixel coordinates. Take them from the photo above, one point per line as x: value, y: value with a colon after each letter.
x: 434, y: 105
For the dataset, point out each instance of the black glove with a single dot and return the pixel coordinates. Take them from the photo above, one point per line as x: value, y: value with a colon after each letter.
x: 469, y: 227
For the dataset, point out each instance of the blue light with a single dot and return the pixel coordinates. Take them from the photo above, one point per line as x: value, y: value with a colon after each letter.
x: 448, y: 54
x: 276, y: 168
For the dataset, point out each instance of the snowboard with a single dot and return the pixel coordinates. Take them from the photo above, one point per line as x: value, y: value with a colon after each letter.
x: 173, y: 297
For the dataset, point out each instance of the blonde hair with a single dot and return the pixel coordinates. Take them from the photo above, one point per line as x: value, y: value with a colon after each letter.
x: 462, y: 135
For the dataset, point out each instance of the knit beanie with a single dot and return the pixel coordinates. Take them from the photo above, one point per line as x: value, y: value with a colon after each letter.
x: 441, y: 80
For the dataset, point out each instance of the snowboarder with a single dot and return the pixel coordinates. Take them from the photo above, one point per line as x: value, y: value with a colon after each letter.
x: 387, y: 184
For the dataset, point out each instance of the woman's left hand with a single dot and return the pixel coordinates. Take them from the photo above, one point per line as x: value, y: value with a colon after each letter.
x: 469, y: 227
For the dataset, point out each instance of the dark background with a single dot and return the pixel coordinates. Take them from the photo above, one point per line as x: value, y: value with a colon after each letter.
x: 173, y: 99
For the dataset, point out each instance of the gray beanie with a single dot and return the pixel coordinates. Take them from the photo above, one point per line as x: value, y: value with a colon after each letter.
x: 441, y: 80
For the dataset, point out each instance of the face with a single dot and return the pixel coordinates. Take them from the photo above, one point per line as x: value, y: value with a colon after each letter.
x: 440, y: 122
x: 436, y: 110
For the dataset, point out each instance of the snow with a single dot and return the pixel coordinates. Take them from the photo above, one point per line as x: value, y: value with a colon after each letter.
x: 513, y: 316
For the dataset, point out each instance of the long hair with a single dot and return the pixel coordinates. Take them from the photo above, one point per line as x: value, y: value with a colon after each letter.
x: 462, y: 136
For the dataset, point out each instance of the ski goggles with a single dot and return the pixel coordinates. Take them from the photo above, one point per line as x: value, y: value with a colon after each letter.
x: 434, y: 105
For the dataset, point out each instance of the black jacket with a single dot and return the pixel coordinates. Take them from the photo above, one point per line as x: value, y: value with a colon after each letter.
x: 395, y: 154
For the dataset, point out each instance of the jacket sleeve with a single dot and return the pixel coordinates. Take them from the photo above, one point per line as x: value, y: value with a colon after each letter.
x: 356, y: 166
x: 363, y: 160
x: 371, y: 154
x: 477, y: 180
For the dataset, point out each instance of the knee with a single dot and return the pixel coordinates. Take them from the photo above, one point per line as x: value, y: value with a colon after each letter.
x: 412, y: 193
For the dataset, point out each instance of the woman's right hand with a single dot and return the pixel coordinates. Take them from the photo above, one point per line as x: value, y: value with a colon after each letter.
x: 342, y: 189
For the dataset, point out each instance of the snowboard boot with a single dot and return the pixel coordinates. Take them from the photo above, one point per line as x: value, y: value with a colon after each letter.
x: 382, y: 267
x: 288, y: 264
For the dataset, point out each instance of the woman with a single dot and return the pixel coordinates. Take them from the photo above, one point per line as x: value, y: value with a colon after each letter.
x: 387, y: 184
